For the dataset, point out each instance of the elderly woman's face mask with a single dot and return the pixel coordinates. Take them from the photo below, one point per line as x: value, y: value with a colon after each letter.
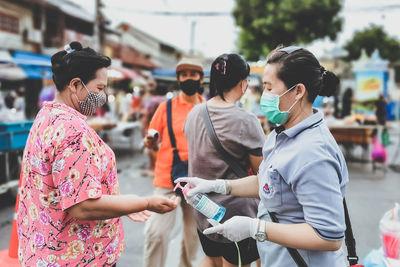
x: 92, y: 102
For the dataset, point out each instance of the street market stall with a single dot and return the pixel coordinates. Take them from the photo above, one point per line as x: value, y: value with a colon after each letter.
x: 350, y: 136
x: 13, y: 136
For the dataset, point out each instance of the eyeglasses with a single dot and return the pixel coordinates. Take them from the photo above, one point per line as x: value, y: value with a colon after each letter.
x: 290, y: 49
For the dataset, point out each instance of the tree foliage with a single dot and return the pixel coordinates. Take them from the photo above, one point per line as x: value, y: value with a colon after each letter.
x: 265, y: 24
x: 371, y: 38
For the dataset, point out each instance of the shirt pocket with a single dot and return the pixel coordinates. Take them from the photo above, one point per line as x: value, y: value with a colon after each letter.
x: 272, y: 189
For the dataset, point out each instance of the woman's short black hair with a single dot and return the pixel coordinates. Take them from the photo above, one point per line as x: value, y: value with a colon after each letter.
x: 226, y: 71
x: 80, y: 63
x: 298, y: 65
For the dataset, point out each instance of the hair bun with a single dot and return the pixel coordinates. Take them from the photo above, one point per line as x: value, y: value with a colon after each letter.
x: 76, y: 46
x: 330, y: 83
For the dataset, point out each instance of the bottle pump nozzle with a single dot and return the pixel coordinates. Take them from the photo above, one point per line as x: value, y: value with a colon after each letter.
x: 184, y: 189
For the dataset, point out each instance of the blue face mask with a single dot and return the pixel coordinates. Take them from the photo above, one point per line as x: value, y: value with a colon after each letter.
x: 270, y: 107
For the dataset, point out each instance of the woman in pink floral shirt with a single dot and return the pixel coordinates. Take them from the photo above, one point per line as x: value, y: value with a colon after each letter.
x: 70, y: 207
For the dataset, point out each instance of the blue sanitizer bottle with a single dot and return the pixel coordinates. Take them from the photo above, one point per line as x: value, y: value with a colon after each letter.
x: 203, y: 204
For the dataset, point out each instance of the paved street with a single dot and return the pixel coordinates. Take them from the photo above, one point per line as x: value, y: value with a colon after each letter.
x: 368, y: 197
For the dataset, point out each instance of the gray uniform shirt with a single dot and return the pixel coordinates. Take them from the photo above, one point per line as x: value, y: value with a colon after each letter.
x: 240, y: 133
x: 302, y: 179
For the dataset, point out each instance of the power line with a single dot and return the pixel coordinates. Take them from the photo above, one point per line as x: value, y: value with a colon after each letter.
x: 386, y: 8
x: 172, y: 13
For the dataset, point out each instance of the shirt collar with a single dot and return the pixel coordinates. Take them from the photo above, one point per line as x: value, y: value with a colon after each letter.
x: 65, y: 108
x: 313, y: 120
x: 181, y: 99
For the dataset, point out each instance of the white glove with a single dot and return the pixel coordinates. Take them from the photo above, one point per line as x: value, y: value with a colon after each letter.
x: 236, y: 228
x: 198, y: 185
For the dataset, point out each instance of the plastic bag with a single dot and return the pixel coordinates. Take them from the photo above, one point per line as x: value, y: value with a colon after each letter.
x: 374, y: 258
x: 389, y: 227
x: 378, y: 153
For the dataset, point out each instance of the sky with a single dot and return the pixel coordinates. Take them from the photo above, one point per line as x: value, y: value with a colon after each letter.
x: 218, y: 34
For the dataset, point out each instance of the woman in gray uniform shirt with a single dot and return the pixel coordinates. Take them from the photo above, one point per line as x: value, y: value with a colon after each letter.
x: 302, y: 176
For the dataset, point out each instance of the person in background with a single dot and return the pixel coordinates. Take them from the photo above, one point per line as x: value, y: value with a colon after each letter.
x: 47, y: 93
x: 241, y: 135
x: 347, y: 101
x: 157, y: 96
x: 302, y: 178
x: 19, y: 103
x: 380, y: 110
x: 70, y: 208
x: 189, y: 74
x: 6, y: 112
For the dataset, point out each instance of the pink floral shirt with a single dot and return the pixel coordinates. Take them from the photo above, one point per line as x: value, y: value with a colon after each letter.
x: 65, y: 162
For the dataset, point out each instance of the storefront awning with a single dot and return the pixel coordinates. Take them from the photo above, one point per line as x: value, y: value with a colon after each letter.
x: 35, y: 66
x: 118, y: 73
x: 122, y: 73
x: 11, y: 72
x: 72, y: 9
x: 5, y: 56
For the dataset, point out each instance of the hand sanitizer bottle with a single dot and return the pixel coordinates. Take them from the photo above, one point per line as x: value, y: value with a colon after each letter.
x: 203, y: 204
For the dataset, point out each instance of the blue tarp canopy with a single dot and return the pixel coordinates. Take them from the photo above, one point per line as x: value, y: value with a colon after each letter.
x: 35, y: 66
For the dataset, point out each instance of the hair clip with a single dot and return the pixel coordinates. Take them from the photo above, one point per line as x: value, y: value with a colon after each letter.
x: 323, y: 71
x: 290, y: 49
x: 217, y: 67
x: 68, y: 49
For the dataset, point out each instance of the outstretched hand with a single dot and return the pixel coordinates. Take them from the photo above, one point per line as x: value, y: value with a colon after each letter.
x: 161, y: 204
x: 141, y: 216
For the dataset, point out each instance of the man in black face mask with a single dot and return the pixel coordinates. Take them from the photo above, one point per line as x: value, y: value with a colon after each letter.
x: 189, y: 74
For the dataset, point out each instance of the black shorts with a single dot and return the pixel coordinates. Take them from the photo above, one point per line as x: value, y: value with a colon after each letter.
x: 247, y: 247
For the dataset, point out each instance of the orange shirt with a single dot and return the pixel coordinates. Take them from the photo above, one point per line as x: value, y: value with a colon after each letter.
x: 180, y: 110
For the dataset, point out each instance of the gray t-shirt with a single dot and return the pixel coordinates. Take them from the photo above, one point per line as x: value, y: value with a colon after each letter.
x: 240, y: 134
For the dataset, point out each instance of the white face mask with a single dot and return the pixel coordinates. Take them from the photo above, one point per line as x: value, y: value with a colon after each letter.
x: 92, y: 102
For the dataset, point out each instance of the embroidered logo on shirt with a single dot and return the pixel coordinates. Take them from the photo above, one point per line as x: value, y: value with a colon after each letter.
x: 268, y: 190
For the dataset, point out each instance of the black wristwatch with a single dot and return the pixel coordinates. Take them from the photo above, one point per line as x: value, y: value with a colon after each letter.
x: 261, y: 235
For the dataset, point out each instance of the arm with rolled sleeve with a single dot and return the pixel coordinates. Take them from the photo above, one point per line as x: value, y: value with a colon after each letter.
x: 318, y: 190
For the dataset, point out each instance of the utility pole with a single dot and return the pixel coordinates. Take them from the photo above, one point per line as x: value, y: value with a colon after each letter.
x: 192, y: 36
x: 96, y: 26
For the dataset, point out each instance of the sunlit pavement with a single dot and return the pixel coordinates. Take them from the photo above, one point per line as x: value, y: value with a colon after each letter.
x: 369, y: 195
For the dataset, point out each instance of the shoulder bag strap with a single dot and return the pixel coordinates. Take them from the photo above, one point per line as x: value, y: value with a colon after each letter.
x: 292, y: 251
x: 217, y: 144
x: 169, y: 123
x: 349, y: 238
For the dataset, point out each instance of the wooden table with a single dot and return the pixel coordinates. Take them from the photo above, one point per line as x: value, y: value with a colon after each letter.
x: 101, y: 125
x: 350, y: 136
